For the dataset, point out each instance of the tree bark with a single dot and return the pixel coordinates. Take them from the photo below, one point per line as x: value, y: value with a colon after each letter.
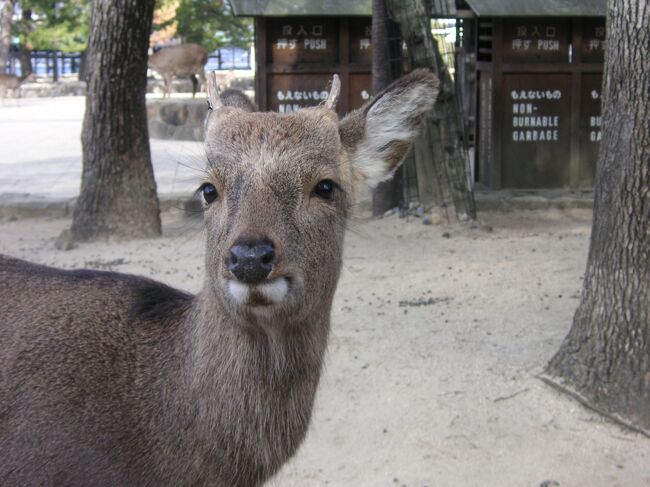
x: 387, y: 194
x: 441, y: 134
x: 25, y: 58
x: 24, y: 50
x: 118, y: 190
x: 381, y: 70
x: 605, y: 359
x: 6, y: 15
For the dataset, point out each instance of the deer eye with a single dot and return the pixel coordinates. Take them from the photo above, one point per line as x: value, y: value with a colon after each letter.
x: 325, y: 188
x: 209, y: 192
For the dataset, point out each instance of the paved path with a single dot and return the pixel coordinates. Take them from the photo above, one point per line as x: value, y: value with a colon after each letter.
x: 40, y: 151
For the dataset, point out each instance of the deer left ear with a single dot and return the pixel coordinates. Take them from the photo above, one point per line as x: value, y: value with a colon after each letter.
x: 218, y: 99
x: 378, y: 135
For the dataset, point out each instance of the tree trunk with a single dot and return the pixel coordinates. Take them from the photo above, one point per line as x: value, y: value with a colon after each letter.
x: 83, y: 67
x: 387, y: 194
x: 441, y: 134
x: 381, y: 70
x: 25, y: 58
x: 6, y: 15
x: 118, y: 190
x: 605, y: 359
x: 24, y: 50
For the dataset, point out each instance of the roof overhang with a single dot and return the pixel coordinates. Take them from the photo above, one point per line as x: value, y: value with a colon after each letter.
x: 278, y: 8
x: 538, y: 8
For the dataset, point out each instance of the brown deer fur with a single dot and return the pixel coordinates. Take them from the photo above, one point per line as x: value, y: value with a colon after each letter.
x: 11, y: 82
x: 113, y: 379
x: 184, y: 60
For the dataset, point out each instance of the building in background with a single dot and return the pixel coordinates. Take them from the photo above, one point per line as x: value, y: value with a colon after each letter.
x: 533, y: 75
x: 301, y: 44
x: 528, y: 76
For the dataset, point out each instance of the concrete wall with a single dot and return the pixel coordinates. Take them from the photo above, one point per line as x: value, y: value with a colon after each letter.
x: 176, y: 119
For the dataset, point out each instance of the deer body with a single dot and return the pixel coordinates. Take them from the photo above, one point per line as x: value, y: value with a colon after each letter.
x: 111, y: 379
x: 141, y: 403
x: 186, y: 60
x: 11, y: 83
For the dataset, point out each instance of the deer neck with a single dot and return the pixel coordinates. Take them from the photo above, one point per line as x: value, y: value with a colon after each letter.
x: 226, y: 340
x: 230, y: 347
x: 252, y: 388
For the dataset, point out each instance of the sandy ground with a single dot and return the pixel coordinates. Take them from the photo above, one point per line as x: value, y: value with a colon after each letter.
x: 435, y: 347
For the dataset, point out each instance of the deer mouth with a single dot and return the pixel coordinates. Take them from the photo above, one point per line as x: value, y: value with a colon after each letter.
x: 266, y: 293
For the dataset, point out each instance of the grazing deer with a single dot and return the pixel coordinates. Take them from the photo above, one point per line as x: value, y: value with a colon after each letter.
x: 184, y: 60
x: 113, y: 379
x: 11, y: 83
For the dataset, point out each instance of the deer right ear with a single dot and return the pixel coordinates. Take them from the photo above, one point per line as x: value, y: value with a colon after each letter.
x: 378, y: 135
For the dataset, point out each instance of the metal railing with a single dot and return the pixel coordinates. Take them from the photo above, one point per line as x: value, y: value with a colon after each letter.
x: 55, y: 64
x: 50, y: 64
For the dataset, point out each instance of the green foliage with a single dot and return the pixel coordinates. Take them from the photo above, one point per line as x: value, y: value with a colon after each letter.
x: 211, y: 24
x: 54, y: 25
x: 63, y: 25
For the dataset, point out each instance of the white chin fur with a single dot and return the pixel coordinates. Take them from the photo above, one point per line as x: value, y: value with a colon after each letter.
x: 275, y: 291
x: 238, y: 291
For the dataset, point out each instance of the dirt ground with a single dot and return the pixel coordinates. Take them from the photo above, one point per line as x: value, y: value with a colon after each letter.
x: 438, y: 335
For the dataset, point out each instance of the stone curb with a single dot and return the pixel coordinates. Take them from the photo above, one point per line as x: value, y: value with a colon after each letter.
x: 511, y: 200
x: 17, y: 206
x: 14, y: 207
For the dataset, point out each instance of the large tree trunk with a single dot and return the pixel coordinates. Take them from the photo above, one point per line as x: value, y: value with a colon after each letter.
x: 387, y: 194
x: 118, y: 191
x: 605, y: 359
x: 6, y: 14
x: 439, y: 152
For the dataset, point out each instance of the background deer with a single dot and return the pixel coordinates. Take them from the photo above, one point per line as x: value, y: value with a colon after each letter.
x: 10, y: 83
x: 113, y: 379
x: 184, y: 60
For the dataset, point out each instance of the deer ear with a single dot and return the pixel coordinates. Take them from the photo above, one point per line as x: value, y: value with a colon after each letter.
x: 214, y: 93
x: 218, y: 99
x: 378, y: 135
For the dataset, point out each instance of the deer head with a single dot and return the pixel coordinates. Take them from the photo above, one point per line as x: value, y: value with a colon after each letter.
x: 279, y: 189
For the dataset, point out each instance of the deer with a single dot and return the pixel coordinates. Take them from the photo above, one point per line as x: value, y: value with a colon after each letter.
x: 115, y: 379
x: 184, y: 60
x: 12, y: 83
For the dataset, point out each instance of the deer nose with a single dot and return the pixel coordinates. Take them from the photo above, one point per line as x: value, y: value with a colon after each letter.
x: 251, y: 261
